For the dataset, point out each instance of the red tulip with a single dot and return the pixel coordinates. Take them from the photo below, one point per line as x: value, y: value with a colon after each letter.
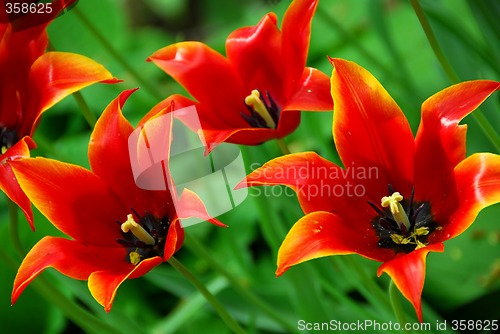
x: 256, y: 92
x: 32, y: 81
x: 118, y: 231
x: 397, y: 198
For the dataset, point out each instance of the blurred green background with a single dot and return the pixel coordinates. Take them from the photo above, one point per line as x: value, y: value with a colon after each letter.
x: 385, y: 37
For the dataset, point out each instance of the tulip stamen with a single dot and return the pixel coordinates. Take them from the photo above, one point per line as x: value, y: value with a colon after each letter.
x: 257, y: 105
x: 137, y: 230
x: 147, y: 238
x: 400, y: 230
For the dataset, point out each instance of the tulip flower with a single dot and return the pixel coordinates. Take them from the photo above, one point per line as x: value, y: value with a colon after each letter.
x: 256, y: 92
x: 397, y: 197
x: 32, y: 81
x: 117, y: 230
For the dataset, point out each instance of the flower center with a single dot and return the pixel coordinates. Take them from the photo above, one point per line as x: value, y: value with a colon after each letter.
x: 403, y: 230
x: 145, y: 238
x: 7, y: 138
x: 262, y: 114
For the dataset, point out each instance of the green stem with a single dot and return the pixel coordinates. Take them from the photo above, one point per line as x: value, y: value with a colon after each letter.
x: 269, y: 231
x: 354, y: 41
x: 117, y: 56
x: 478, y: 116
x: 201, y: 252
x: 225, y: 316
x: 365, y: 285
x: 431, y: 37
x: 188, y: 309
x: 14, y: 228
x: 283, y: 146
x: 396, y: 306
x: 85, y: 110
x: 68, y: 307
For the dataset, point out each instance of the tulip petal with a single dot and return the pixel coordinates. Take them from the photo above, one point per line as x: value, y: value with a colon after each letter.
x: 320, y: 186
x: 440, y: 141
x: 478, y: 183
x: 8, y: 181
x: 320, y: 234
x: 408, y: 273
x: 175, y: 239
x: 296, y: 32
x: 54, y: 76
x: 306, y: 173
x: 255, y: 52
x: 103, y: 285
x: 313, y: 93
x: 110, y: 158
x: 195, y: 66
x: 72, y: 198
x: 370, y: 130
x: 191, y: 205
x: 18, y: 51
x: 69, y: 257
x: 245, y: 136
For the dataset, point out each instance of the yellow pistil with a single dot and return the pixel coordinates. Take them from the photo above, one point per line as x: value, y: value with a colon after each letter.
x: 137, y: 230
x: 4, y: 149
x: 253, y: 100
x: 397, y: 210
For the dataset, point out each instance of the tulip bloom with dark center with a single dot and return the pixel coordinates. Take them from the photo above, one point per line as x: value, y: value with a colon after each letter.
x: 255, y: 93
x: 31, y: 82
x: 397, y: 197
x: 117, y: 230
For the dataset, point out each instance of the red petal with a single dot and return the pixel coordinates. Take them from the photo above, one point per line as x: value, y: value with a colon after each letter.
x: 320, y: 186
x: 370, y: 130
x: 175, y: 239
x: 255, y: 52
x: 8, y: 181
x: 195, y: 66
x: 296, y: 32
x: 313, y: 92
x: 243, y: 136
x: 306, y: 173
x: 54, y: 76
x: 440, y: 141
x: 104, y: 284
x: 71, y: 258
x: 478, y: 183
x: 72, y: 198
x: 408, y: 273
x: 320, y: 234
x: 110, y: 160
x: 190, y: 205
x: 18, y: 51
x: 171, y: 103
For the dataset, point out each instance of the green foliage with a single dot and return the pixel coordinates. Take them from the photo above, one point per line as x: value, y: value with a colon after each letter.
x: 383, y: 36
